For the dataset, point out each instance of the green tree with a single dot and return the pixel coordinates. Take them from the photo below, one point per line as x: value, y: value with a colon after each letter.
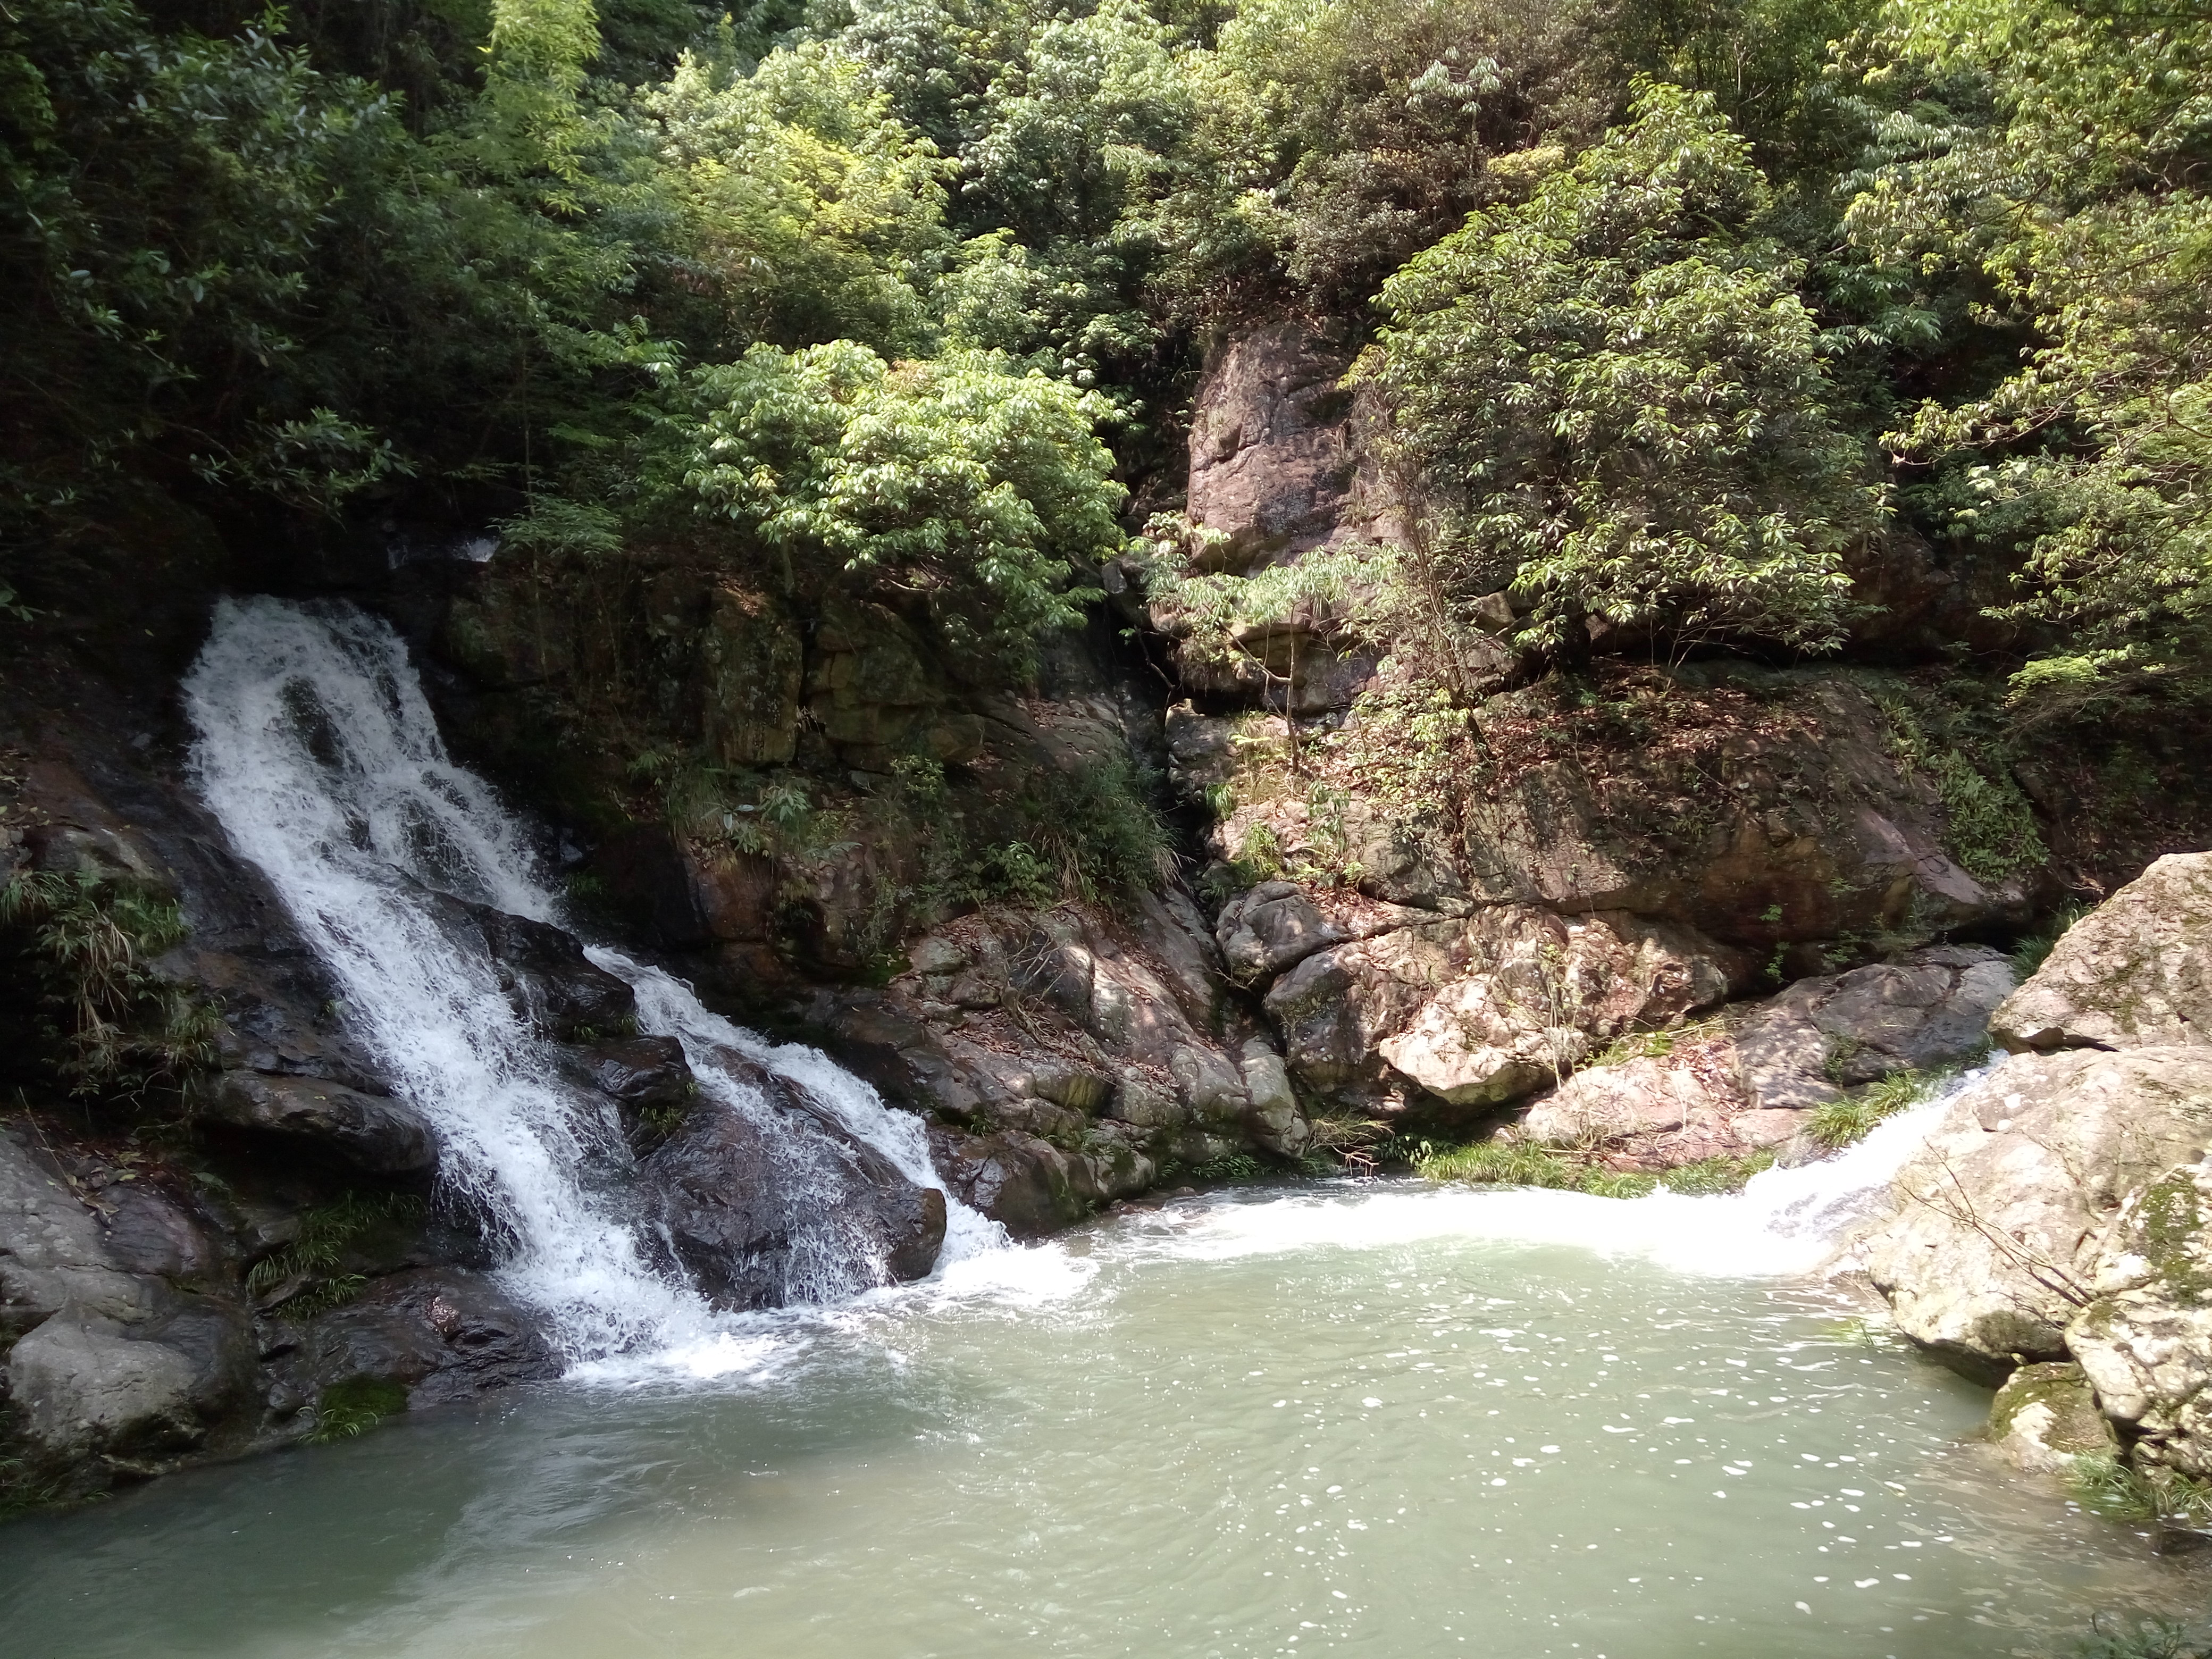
x: 966, y: 486
x: 1619, y: 403
x: 2049, y: 157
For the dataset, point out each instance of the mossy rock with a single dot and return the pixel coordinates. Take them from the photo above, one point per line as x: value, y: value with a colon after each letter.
x: 2046, y: 1416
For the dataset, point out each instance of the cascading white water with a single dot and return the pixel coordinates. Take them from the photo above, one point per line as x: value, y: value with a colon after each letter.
x: 321, y: 758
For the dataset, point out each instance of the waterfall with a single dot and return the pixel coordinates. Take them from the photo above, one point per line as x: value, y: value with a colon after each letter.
x: 319, y: 754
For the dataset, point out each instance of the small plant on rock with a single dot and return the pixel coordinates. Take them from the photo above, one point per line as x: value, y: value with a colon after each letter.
x: 348, y: 1410
x: 1836, y: 1124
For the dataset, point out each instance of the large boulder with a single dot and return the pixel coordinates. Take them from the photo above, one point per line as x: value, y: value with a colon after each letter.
x: 109, y: 1358
x: 1927, y: 1008
x: 545, y: 972
x: 2136, y: 972
x: 1742, y: 1081
x: 1481, y: 1011
x: 1271, y: 928
x: 764, y: 1200
x: 2002, y: 1219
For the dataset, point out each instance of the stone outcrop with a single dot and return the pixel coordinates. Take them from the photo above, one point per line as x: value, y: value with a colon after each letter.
x: 2136, y: 972
x: 2004, y: 1217
x: 1476, y: 1011
x: 1273, y: 456
x: 2059, y: 1213
x: 1928, y: 1008
x: 1742, y: 1082
x: 1071, y: 1056
x: 741, y: 1194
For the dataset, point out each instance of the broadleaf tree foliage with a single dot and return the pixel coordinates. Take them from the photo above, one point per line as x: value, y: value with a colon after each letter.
x: 1682, y: 313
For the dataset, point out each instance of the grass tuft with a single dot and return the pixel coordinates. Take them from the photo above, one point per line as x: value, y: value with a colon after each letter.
x: 1836, y: 1124
x: 2141, y: 1638
x: 1531, y: 1164
x: 2106, y: 1486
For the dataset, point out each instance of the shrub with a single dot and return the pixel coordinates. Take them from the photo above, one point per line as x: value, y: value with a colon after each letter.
x: 1623, y: 405
x: 114, y: 1024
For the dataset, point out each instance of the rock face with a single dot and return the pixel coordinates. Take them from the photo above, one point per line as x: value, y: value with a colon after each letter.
x: 1479, y: 1012
x: 2060, y: 1212
x: 2004, y: 1217
x: 109, y: 1362
x: 1070, y: 1056
x: 443, y: 1334
x: 2145, y: 1339
x: 1742, y: 1082
x: 741, y: 1196
x: 2135, y: 973
x: 1272, y: 454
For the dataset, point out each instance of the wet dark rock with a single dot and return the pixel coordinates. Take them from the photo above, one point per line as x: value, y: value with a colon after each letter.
x: 444, y: 1333
x: 374, y: 1133
x: 545, y: 974
x: 740, y: 1198
x: 640, y: 1072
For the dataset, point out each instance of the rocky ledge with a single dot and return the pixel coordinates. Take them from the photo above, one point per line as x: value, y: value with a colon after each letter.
x: 2054, y: 1226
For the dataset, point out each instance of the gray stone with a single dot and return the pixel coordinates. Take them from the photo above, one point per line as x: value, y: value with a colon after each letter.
x: 1482, y: 1011
x: 82, y: 1383
x: 1927, y: 1008
x: 372, y: 1131
x: 53, y: 1254
x: 2134, y: 972
x: 1270, y: 928
x: 1999, y: 1220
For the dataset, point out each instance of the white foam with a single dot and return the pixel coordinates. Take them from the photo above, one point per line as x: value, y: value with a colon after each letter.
x: 1785, y: 1222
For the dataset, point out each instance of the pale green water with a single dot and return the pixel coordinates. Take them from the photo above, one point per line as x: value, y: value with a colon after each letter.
x: 1386, y: 1423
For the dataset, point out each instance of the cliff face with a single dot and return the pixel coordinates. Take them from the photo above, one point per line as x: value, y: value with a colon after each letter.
x: 1443, y: 921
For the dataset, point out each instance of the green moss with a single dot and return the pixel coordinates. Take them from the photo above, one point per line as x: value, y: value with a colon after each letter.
x: 1529, y: 1164
x: 2170, y: 1221
x: 348, y: 1409
x: 1989, y: 825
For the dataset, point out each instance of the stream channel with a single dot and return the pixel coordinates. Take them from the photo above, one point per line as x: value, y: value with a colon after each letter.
x: 1379, y: 1420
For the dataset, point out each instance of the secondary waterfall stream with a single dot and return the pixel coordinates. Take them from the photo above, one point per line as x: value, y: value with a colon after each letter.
x: 321, y: 758
x: 1379, y: 1418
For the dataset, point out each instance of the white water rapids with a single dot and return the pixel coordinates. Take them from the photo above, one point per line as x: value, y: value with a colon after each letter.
x: 320, y: 757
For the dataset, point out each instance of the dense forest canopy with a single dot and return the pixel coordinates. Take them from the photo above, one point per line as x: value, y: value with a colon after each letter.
x: 1683, y: 309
